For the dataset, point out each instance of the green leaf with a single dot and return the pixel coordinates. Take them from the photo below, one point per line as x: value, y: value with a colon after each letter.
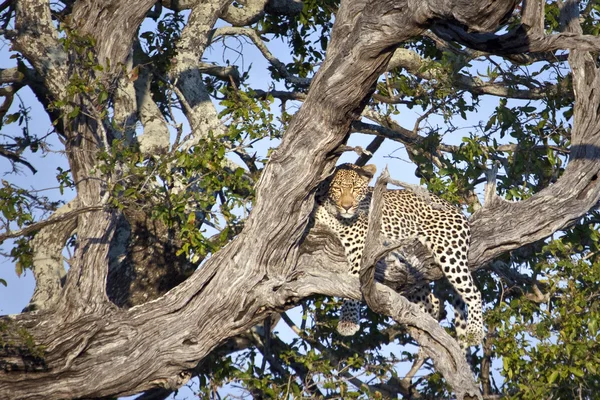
x: 74, y: 113
x: 552, y: 377
x: 10, y: 118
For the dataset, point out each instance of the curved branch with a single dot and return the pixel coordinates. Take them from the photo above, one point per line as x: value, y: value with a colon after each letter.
x: 504, y: 225
x: 433, y: 339
x: 258, y: 42
x: 517, y: 40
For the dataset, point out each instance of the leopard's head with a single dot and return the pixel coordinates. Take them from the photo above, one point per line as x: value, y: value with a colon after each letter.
x: 349, y: 185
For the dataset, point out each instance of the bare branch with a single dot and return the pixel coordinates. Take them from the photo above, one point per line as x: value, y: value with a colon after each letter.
x: 517, y: 40
x: 56, y: 218
x: 444, y: 350
x: 364, y: 158
x: 373, y: 249
x: 406, y: 381
x: 490, y: 188
x: 258, y: 42
x: 227, y: 74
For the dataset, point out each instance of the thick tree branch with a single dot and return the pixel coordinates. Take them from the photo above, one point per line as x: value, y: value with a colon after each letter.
x: 107, y: 19
x: 533, y: 17
x: 444, y: 350
x: 518, y: 40
x: 262, y: 270
x: 576, y: 191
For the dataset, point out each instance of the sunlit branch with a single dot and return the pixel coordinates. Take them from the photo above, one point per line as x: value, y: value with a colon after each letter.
x: 54, y: 220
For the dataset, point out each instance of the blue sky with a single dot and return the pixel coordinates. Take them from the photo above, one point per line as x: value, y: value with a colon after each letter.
x: 16, y: 296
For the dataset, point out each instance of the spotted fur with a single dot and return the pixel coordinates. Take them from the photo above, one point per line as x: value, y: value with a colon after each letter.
x: 343, y: 205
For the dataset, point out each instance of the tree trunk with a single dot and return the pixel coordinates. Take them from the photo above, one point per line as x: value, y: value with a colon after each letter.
x: 92, y: 349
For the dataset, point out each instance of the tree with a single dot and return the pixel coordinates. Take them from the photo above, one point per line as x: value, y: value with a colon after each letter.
x: 110, y: 87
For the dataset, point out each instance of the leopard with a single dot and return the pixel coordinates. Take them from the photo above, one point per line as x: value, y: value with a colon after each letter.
x: 342, y: 205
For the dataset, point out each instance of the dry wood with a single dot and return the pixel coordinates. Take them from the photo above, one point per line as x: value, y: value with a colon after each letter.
x: 93, y: 349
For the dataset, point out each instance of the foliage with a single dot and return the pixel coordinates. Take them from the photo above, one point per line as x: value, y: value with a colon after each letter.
x: 542, y: 307
x: 550, y: 347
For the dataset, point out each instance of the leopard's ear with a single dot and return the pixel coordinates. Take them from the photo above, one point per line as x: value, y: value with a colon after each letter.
x: 370, y: 170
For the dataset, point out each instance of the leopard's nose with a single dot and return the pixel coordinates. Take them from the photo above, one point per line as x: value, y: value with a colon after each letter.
x: 346, y: 204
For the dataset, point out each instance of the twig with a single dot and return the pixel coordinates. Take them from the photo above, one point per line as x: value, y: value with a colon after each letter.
x: 258, y: 42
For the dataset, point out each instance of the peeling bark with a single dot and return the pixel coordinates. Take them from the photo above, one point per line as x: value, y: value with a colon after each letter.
x: 48, y: 265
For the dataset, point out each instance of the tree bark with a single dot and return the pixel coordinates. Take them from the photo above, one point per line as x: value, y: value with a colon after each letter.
x: 93, y: 349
